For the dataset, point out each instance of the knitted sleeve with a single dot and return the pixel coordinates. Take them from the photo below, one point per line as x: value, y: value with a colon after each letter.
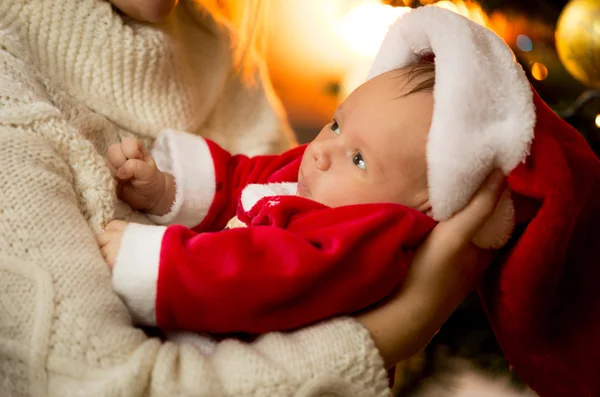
x: 63, y: 332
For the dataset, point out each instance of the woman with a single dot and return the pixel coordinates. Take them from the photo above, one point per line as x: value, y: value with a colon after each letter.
x: 76, y: 76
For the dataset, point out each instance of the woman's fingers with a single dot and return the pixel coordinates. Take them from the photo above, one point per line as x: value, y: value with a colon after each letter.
x: 447, y: 253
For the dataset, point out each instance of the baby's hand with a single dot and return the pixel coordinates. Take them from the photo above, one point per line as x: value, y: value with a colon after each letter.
x: 110, y: 241
x: 141, y: 184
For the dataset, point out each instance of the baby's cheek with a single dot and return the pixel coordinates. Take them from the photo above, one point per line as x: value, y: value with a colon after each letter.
x: 339, y: 193
x: 364, y: 193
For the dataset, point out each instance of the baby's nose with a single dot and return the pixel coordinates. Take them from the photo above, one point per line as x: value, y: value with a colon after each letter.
x: 321, y: 157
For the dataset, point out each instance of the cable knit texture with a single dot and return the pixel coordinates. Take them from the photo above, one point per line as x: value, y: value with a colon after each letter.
x: 76, y: 77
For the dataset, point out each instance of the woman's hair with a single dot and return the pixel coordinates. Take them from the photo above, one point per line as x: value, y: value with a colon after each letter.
x: 249, y: 18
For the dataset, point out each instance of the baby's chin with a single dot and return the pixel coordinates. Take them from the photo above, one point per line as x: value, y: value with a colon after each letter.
x: 302, y: 189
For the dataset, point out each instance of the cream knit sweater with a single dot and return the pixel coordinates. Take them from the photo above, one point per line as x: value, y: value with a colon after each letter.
x: 74, y: 78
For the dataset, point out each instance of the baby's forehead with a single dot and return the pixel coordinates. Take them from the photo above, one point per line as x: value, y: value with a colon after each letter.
x: 386, y: 109
x: 389, y: 90
x: 391, y: 101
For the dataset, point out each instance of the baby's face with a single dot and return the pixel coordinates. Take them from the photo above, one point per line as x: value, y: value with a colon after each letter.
x: 374, y: 149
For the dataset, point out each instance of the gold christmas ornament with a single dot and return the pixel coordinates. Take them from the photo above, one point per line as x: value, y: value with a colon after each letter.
x: 578, y: 40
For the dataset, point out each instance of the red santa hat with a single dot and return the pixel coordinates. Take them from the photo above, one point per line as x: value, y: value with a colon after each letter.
x: 543, y: 296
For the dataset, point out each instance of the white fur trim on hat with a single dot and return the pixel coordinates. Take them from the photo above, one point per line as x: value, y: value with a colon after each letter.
x: 483, y: 116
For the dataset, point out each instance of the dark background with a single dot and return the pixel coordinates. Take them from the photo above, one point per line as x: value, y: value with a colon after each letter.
x: 560, y: 90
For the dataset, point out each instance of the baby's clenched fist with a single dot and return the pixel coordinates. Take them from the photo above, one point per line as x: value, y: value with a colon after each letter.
x: 141, y: 184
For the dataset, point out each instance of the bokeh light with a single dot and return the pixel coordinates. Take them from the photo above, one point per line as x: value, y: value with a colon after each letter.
x: 524, y: 43
x: 598, y: 120
x: 539, y: 71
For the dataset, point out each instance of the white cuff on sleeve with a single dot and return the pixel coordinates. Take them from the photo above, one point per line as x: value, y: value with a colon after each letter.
x: 135, y: 274
x: 187, y: 157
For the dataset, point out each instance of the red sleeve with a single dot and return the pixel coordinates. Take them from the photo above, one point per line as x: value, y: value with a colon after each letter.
x: 208, y: 180
x: 327, y: 261
x: 234, y: 172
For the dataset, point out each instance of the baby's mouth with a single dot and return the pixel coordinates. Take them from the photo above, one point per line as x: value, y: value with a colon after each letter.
x: 302, y: 188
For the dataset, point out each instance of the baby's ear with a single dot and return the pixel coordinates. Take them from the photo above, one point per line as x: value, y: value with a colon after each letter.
x: 499, y: 228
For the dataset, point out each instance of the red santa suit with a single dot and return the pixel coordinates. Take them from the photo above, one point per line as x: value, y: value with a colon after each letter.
x: 296, y: 262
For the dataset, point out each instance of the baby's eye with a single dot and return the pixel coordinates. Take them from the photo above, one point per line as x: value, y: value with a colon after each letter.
x: 335, y: 127
x: 358, y: 161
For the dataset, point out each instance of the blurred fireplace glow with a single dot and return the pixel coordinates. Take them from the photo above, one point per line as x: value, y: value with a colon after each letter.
x: 469, y: 9
x: 365, y: 25
x: 320, y: 50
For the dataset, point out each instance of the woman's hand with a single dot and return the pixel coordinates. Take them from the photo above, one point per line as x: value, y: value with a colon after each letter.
x: 146, y: 10
x: 445, y: 269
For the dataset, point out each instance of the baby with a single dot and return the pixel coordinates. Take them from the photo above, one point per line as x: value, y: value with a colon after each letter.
x: 335, y: 242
